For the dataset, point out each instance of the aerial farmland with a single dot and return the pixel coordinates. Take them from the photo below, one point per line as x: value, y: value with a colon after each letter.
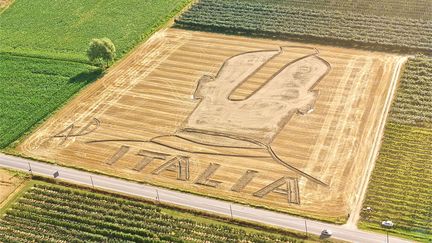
x: 119, y: 141
x: 317, y: 110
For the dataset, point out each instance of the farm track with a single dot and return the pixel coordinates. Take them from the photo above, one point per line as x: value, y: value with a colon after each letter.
x: 355, y: 213
x: 149, y: 94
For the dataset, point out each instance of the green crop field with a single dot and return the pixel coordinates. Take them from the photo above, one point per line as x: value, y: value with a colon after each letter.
x: 31, y: 88
x: 43, y: 46
x: 309, y: 24
x: 417, y: 9
x: 53, y: 213
x: 66, y: 27
x: 400, y: 189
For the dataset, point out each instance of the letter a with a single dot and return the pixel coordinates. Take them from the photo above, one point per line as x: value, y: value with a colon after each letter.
x: 290, y: 189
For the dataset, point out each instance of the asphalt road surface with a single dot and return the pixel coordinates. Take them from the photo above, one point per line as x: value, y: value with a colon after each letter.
x: 193, y: 201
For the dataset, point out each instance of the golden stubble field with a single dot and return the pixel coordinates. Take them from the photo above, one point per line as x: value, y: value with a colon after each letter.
x: 278, y: 124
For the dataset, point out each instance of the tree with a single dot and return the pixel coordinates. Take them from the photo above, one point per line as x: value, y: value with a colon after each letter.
x: 101, y: 52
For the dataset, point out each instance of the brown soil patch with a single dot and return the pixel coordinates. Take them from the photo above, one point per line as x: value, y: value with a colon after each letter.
x: 295, y: 134
x: 5, y: 3
x: 8, y: 184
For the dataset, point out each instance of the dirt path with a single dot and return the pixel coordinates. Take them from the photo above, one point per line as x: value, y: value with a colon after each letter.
x: 355, y: 213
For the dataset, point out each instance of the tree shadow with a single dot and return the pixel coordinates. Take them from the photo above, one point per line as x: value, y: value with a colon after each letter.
x: 87, y: 76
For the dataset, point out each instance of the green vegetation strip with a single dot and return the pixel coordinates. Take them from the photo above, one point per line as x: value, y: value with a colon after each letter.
x: 48, y: 212
x: 317, y: 25
x: 400, y: 189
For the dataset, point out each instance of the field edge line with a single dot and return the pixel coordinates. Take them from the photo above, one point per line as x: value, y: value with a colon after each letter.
x: 373, y: 156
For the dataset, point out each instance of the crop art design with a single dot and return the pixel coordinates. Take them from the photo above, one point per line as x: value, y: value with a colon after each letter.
x: 245, y: 128
x: 224, y: 126
x: 268, y: 123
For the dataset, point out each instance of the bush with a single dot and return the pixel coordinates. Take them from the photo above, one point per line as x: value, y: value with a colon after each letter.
x: 101, y: 52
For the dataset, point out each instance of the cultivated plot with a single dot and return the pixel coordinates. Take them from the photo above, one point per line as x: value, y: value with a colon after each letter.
x: 279, y: 124
x: 46, y: 212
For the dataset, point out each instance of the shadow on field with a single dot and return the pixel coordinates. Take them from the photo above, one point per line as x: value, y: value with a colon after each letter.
x: 87, y: 76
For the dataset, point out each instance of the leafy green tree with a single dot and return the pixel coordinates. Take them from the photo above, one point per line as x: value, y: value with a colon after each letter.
x: 101, y: 52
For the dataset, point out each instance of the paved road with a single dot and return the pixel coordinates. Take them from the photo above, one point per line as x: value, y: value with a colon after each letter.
x: 192, y: 201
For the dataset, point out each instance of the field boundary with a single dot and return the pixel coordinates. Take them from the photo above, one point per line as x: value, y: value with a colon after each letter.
x: 309, y: 39
x: 355, y: 212
x: 46, y: 56
x: 20, y: 190
x: 168, y: 23
x: 399, y: 189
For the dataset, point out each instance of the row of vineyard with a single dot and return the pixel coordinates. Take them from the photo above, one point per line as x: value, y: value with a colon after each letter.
x: 400, y: 189
x: 413, y: 104
x: 329, y: 26
x: 52, y: 213
x: 418, y: 9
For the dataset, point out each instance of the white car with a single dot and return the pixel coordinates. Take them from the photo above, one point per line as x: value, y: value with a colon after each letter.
x: 387, y: 223
x: 326, y: 233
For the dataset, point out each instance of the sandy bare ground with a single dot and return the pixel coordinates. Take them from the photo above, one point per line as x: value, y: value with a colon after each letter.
x: 8, y: 184
x: 277, y: 124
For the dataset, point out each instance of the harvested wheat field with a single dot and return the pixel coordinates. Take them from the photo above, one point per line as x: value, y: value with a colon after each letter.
x: 285, y: 125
